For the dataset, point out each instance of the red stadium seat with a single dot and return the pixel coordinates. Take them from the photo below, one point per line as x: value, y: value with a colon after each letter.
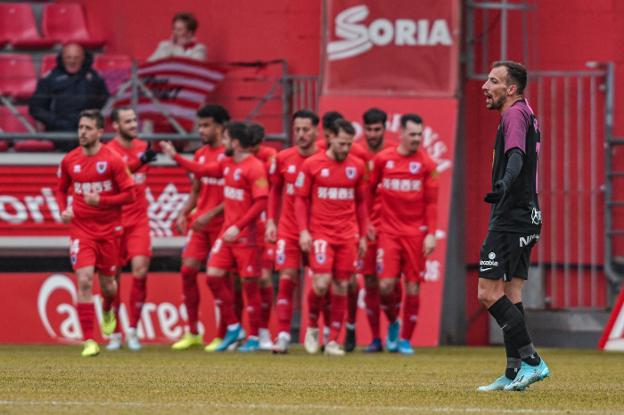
x: 18, y: 27
x: 48, y: 62
x: 66, y: 22
x: 33, y: 146
x: 9, y: 123
x: 17, y: 76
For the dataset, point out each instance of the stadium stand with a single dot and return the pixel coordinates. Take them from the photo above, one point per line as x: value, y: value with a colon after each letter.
x: 48, y: 62
x: 18, y: 27
x: 10, y: 123
x: 67, y: 23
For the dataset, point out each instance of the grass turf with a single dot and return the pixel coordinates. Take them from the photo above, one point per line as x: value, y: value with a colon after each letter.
x: 55, y: 379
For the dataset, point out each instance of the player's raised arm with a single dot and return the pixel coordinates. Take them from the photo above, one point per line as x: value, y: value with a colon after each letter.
x: 200, y: 170
x: 260, y: 193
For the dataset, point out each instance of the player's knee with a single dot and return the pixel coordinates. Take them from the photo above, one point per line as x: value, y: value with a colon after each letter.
x: 320, y: 286
x: 486, y: 297
x: 340, y: 287
x: 139, y: 272
x: 412, y: 288
x: 371, y: 280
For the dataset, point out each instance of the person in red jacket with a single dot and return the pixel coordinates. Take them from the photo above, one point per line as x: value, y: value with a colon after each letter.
x: 404, y: 178
x: 99, y: 183
x: 136, y: 244
x: 245, y: 192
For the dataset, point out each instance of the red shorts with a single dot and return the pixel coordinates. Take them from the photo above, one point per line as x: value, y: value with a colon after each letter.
x: 103, y: 254
x: 242, y: 258
x: 396, y: 255
x: 287, y: 254
x: 135, y: 241
x: 337, y: 259
x: 368, y: 264
x: 198, y: 244
x: 266, y: 254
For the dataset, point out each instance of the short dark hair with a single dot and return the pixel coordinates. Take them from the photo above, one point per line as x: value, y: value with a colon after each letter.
x: 94, y: 115
x: 257, y: 133
x: 115, y: 114
x: 329, y: 118
x: 516, y: 74
x: 405, y: 118
x: 189, y: 20
x: 239, y: 131
x: 310, y: 115
x: 375, y: 116
x: 218, y: 113
x: 342, y: 125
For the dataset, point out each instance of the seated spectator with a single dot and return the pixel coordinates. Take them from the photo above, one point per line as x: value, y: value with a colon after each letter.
x: 72, y: 86
x: 183, y: 42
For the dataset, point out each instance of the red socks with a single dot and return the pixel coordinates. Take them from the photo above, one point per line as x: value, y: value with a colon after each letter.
x: 338, y: 308
x: 284, y: 304
x: 410, y: 316
x: 266, y: 300
x: 373, y: 309
x: 314, y: 308
x: 388, y: 305
x: 86, y: 314
x: 352, y: 303
x: 221, y: 327
x: 221, y: 288
x: 254, y: 312
x: 191, y: 296
x: 326, y: 304
x: 137, y: 298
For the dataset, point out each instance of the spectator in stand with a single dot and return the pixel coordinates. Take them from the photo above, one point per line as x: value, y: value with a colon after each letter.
x: 72, y: 86
x: 183, y: 42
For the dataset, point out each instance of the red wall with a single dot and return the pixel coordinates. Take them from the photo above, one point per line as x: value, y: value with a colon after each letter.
x: 233, y: 30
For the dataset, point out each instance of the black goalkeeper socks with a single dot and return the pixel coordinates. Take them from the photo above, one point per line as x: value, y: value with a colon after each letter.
x: 510, y: 318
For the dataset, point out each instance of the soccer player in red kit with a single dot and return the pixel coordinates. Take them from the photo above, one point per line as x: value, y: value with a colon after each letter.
x: 136, y: 244
x: 405, y: 180
x: 374, y: 121
x: 285, y: 235
x: 204, y: 210
x: 330, y: 208
x: 245, y: 196
x: 100, y: 184
x: 267, y: 156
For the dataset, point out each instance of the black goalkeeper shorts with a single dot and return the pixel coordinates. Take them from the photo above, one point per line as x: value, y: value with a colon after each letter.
x: 506, y: 255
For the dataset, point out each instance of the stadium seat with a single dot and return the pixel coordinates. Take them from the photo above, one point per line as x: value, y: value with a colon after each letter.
x: 48, y: 62
x: 108, y: 62
x: 17, y: 76
x: 9, y: 123
x: 18, y: 27
x: 66, y: 22
x: 33, y: 146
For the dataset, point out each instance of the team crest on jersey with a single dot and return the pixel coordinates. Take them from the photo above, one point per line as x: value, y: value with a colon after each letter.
x: 350, y: 172
x: 101, y: 166
x: 237, y: 174
x: 202, y: 159
x: 324, y: 172
x: 390, y: 164
x: 414, y: 167
x: 76, y: 168
x: 292, y: 168
x: 321, y: 257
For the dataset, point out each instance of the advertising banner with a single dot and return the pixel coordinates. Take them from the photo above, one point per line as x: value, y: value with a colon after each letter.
x: 28, y: 206
x: 399, y: 47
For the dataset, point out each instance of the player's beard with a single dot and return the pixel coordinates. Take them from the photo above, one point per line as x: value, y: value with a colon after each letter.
x: 229, y: 152
x: 126, y: 135
x: 497, y: 103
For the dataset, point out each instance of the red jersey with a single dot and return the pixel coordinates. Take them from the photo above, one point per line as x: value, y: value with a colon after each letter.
x: 105, y: 173
x: 135, y: 212
x: 407, y: 187
x: 211, y: 190
x: 361, y: 150
x: 333, y: 189
x: 244, y: 182
x: 287, y: 166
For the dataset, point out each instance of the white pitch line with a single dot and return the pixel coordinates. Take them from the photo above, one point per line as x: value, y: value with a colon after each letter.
x: 284, y: 407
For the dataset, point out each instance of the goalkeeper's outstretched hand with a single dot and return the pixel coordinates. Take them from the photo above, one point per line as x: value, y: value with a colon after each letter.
x: 500, y: 189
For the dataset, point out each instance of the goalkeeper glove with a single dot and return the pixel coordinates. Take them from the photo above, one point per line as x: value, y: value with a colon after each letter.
x: 500, y: 190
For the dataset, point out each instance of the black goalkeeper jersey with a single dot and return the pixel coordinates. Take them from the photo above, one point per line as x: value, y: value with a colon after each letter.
x: 519, y: 210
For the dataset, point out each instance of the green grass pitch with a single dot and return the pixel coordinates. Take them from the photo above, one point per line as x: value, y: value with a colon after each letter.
x: 55, y: 379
